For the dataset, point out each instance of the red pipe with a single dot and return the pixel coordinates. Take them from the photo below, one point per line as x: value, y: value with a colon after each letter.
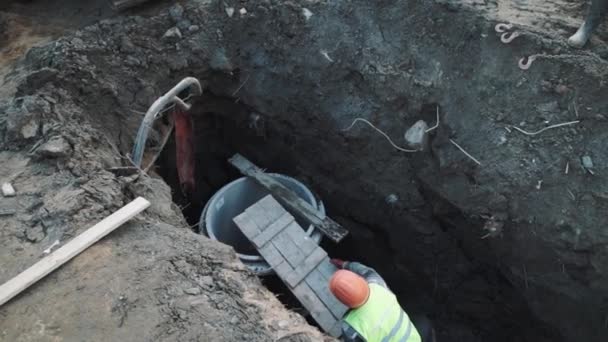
x: 184, y: 150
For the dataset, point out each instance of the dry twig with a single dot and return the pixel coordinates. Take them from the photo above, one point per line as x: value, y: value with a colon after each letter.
x: 546, y: 128
x: 379, y: 131
x: 465, y: 152
x: 241, y: 86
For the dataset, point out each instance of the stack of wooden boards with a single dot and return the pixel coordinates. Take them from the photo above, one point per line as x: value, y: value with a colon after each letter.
x: 300, y: 263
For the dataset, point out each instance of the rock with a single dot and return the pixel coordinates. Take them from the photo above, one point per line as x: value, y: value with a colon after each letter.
x: 306, y: 13
x: 30, y: 129
x: 587, y: 162
x: 219, y: 61
x: 193, y: 28
x: 230, y: 11
x: 56, y: 147
x: 193, y: 291
x: 243, y: 11
x: 35, y: 233
x: 416, y: 136
x: 391, y: 199
x: 8, y: 190
x: 183, y: 25
x: 176, y: 12
x: 173, y: 35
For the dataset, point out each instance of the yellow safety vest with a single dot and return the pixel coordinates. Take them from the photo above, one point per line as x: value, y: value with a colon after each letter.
x: 381, y: 318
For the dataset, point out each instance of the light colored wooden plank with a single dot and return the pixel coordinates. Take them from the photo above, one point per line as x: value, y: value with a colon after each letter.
x: 289, y: 199
x: 51, y: 262
x: 336, y: 330
x: 320, y: 285
x: 315, y: 306
x: 246, y: 225
x: 271, y: 254
x: 299, y: 237
x: 327, y: 269
x: 283, y: 270
x: 273, y: 229
x: 265, y: 211
x: 306, y: 267
x: 288, y: 249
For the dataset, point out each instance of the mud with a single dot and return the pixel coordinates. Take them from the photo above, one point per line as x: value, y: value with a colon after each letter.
x: 282, y: 82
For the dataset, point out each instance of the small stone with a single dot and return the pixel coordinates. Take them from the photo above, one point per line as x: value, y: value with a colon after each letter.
x: 193, y: 28
x: 8, y: 190
x: 56, y: 147
x: 416, y: 136
x: 173, y: 34
x: 183, y: 25
x: 283, y: 324
x: 587, y: 162
x: 391, y: 199
x: 243, y: 11
x: 306, y: 13
x: 230, y: 11
x: 29, y: 130
x: 35, y: 234
x: 176, y: 12
x: 193, y: 291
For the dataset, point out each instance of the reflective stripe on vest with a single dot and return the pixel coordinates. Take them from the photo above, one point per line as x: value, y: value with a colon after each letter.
x: 381, y: 318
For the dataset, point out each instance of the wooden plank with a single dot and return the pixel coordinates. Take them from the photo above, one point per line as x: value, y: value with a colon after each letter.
x: 271, y: 254
x: 288, y: 249
x: 327, y: 269
x: 283, y: 270
x: 83, y: 241
x: 288, y: 198
x: 336, y: 330
x: 247, y: 226
x: 306, y: 267
x: 124, y: 4
x: 317, y: 309
x: 320, y: 285
x: 299, y: 237
x: 265, y: 211
x: 273, y: 229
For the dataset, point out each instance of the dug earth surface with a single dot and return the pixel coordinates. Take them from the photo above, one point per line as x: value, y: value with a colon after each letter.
x: 513, y: 247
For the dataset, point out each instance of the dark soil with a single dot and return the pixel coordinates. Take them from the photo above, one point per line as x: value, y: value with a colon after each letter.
x: 281, y: 85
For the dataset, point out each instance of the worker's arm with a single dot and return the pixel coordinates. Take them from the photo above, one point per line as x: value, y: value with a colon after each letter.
x: 366, y: 272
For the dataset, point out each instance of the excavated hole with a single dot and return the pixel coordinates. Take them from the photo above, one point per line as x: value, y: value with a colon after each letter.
x: 223, y: 126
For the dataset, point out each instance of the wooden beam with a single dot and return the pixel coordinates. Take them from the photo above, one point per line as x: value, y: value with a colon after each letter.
x: 59, y: 257
x: 288, y: 198
x: 124, y: 4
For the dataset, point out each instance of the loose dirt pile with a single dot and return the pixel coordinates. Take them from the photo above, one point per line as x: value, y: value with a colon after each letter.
x: 283, y: 79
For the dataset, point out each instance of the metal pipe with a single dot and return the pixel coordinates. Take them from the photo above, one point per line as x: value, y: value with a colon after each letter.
x: 155, y: 108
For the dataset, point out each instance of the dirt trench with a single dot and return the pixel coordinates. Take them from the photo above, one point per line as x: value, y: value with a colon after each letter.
x: 283, y: 79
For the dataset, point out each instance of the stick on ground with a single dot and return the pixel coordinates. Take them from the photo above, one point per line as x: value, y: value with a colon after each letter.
x: 465, y: 152
x: 59, y: 257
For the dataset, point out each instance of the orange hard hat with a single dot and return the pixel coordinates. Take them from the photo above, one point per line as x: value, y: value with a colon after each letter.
x: 350, y: 288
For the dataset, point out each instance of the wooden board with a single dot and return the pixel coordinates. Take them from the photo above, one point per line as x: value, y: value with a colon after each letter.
x: 124, y: 4
x: 307, y: 266
x: 300, y: 263
x: 83, y: 241
x: 291, y: 200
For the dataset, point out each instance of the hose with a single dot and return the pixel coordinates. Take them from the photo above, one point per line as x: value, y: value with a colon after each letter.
x: 155, y: 108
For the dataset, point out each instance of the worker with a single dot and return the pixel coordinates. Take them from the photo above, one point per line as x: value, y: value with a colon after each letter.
x: 375, y: 314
